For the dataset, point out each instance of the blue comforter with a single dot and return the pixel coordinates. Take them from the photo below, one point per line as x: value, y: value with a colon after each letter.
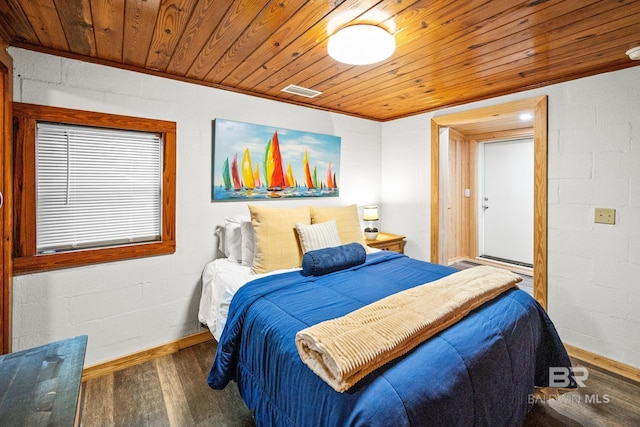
x: 480, y: 371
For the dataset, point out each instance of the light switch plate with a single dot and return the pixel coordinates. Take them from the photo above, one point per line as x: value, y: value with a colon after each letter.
x: 605, y: 216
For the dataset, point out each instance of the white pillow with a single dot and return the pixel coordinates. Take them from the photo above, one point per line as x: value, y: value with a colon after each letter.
x: 248, y: 243
x: 222, y: 243
x: 233, y: 237
x: 347, y: 219
x: 318, y: 236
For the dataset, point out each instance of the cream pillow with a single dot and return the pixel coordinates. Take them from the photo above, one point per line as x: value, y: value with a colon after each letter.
x: 346, y: 218
x: 318, y: 236
x: 276, y: 239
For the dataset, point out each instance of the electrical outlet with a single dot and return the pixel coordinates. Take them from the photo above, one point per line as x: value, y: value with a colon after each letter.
x: 605, y: 216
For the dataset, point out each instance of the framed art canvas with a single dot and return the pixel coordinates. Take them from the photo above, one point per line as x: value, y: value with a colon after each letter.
x: 262, y: 162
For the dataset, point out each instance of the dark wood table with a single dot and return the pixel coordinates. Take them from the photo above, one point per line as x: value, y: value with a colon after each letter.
x: 41, y: 386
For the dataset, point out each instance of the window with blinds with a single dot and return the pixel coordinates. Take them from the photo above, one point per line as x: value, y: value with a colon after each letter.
x: 91, y: 187
x: 96, y: 187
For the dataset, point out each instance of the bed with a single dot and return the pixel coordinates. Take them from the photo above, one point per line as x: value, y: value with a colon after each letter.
x: 221, y: 279
x: 483, y: 370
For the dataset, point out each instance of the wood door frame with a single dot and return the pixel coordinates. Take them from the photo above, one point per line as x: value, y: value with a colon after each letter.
x: 540, y: 191
x: 6, y: 175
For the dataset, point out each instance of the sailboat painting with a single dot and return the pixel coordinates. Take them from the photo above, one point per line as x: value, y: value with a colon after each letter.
x: 262, y: 162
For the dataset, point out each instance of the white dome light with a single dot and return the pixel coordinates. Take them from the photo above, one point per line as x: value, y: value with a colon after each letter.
x: 361, y: 44
x: 525, y: 117
x: 634, y: 53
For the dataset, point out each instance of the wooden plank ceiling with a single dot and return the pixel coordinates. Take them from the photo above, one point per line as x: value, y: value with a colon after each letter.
x: 448, y: 52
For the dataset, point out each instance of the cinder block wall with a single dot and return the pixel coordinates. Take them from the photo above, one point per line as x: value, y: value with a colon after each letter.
x: 133, y: 305
x: 594, y: 161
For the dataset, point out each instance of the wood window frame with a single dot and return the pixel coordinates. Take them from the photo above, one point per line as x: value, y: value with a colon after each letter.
x: 25, y: 119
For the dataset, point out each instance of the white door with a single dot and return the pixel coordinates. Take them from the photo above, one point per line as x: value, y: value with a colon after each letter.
x: 506, y: 231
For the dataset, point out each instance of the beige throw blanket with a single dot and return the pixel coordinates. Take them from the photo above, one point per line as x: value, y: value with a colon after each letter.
x: 344, y: 350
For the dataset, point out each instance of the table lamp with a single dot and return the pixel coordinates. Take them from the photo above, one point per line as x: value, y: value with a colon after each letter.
x: 370, y: 214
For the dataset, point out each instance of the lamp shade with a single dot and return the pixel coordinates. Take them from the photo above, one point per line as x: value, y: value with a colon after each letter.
x: 361, y: 44
x: 370, y: 213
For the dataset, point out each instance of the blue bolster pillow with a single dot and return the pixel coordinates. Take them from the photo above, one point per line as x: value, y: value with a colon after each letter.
x: 328, y: 260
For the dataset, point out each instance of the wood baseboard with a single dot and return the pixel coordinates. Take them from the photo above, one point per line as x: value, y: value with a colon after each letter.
x: 605, y: 363
x: 145, y: 355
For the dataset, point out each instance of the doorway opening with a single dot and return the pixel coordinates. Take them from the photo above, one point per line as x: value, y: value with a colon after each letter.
x: 505, y: 209
x: 458, y: 136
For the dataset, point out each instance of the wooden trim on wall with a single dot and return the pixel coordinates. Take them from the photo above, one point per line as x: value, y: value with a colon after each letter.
x: 462, y: 208
x: 605, y: 363
x: 435, y: 190
x: 473, y: 202
x: 539, y: 105
x: 540, y: 202
x: 115, y: 365
x: 507, y: 134
x: 6, y: 186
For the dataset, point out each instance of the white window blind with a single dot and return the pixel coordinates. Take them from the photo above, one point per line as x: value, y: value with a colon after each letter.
x: 96, y: 187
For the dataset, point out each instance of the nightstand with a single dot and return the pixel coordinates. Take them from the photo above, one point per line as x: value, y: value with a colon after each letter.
x: 388, y: 242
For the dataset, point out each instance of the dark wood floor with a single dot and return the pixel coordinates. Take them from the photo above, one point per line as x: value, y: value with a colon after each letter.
x: 172, y: 391
x: 169, y: 391
x: 607, y: 400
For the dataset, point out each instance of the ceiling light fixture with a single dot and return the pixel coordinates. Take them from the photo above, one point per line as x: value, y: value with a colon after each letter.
x: 361, y: 44
x: 634, y: 53
x: 525, y: 117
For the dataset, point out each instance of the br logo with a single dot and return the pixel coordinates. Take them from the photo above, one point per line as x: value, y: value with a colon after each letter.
x: 560, y: 376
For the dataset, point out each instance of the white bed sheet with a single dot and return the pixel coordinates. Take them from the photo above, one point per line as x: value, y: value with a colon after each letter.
x: 221, y: 279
